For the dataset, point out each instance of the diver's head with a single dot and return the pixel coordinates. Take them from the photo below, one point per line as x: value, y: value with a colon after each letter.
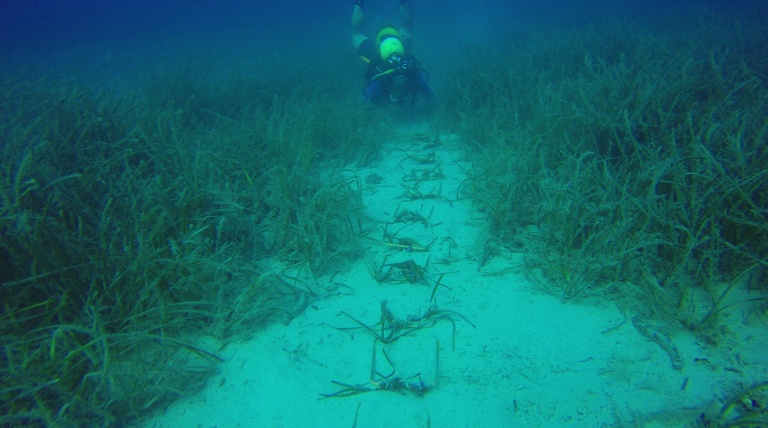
x: 400, y: 89
x: 390, y: 45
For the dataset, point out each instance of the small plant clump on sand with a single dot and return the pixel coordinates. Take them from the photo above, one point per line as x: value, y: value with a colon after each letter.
x: 747, y: 407
x: 387, y: 331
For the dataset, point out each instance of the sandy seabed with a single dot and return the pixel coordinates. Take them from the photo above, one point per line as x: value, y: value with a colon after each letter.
x: 531, y: 359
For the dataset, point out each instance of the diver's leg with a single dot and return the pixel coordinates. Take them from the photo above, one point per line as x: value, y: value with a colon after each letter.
x: 406, y: 15
x: 358, y: 21
x: 422, y: 87
x: 373, y: 92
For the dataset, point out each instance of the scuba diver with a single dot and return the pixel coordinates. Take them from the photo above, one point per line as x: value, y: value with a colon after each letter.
x: 393, y: 74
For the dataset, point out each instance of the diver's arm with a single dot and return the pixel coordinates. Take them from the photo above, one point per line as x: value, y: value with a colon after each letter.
x: 358, y: 19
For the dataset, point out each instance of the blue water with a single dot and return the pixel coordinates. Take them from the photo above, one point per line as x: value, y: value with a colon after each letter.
x: 97, y: 38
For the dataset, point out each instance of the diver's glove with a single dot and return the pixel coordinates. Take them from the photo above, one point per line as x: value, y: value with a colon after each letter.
x: 359, y: 3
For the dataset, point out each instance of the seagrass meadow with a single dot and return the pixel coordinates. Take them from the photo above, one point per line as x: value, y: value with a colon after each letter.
x: 132, y: 226
x: 629, y: 161
x: 142, y: 228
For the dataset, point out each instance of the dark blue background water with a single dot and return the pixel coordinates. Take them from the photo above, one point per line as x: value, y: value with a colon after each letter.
x: 40, y: 24
x: 59, y: 36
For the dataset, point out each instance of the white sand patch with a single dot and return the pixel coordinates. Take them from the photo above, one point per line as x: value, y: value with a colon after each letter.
x: 532, y: 360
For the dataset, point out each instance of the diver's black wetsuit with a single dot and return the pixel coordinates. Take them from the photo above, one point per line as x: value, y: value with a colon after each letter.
x: 393, y: 80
